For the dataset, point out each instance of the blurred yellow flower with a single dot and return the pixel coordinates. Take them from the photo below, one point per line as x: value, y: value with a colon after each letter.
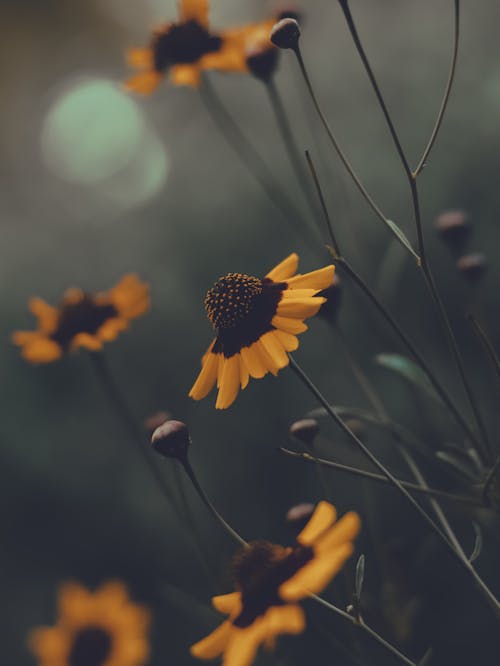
x: 257, y: 323
x: 101, y: 628
x: 82, y: 320
x: 270, y: 580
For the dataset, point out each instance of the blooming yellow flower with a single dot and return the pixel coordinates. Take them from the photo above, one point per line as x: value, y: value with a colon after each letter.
x: 101, y: 628
x: 270, y: 580
x: 82, y: 320
x: 257, y: 323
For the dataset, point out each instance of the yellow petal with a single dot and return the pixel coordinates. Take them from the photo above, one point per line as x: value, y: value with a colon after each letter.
x: 110, y: 329
x: 299, y: 308
x: 140, y: 58
x: 244, y: 374
x: 298, y: 293
x: 243, y: 644
x: 316, y: 574
x: 253, y: 361
x: 214, y: 644
x: 266, y: 358
x: 318, y: 280
x: 289, y: 325
x: 229, y: 382
x: 130, y: 296
x: 47, y: 315
x: 287, y: 619
x: 285, y: 269
x: 185, y: 75
x: 37, y: 348
x: 228, y: 59
x: 345, y: 530
x: 87, y: 341
x: 144, y: 83
x: 275, y: 349
x: 206, y: 379
x: 227, y: 603
x: 323, y: 517
x: 289, y: 342
x: 50, y: 645
x: 194, y: 10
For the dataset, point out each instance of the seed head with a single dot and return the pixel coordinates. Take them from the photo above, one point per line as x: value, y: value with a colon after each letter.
x: 171, y: 440
x: 285, y: 34
x: 454, y: 228
x: 305, y: 430
x: 472, y: 266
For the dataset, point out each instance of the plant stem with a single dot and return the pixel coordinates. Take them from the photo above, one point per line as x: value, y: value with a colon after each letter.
x: 359, y: 622
x: 204, y: 498
x: 251, y: 159
x: 354, y: 471
x: 375, y: 461
x: 485, y: 341
x: 447, y: 91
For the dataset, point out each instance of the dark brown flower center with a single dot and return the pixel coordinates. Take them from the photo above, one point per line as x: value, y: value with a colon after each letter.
x: 86, y: 316
x: 231, y: 299
x: 91, y: 647
x: 183, y: 43
x: 259, y: 570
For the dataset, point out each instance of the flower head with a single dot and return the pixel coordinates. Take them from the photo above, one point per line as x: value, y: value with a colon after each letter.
x: 271, y: 579
x: 257, y: 322
x: 101, y: 628
x: 184, y: 48
x: 82, y: 320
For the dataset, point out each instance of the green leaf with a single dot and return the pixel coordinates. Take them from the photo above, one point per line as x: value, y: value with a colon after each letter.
x: 410, y: 371
x: 402, y: 239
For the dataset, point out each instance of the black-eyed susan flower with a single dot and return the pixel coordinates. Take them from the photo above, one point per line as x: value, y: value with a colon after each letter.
x: 271, y: 579
x: 101, y: 628
x: 184, y: 49
x: 82, y: 320
x: 257, y: 322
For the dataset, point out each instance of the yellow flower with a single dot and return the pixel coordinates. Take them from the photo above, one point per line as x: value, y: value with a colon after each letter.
x: 270, y: 580
x: 257, y: 323
x: 184, y: 48
x: 103, y: 628
x: 82, y: 320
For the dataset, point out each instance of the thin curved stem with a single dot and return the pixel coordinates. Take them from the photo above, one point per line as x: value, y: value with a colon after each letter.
x: 485, y: 341
x: 354, y: 471
x: 490, y: 597
x: 446, y: 95
x: 359, y: 622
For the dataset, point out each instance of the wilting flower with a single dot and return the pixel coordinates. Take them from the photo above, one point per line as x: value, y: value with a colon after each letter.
x: 184, y: 48
x: 257, y: 323
x: 82, y: 320
x: 271, y: 579
x: 103, y: 628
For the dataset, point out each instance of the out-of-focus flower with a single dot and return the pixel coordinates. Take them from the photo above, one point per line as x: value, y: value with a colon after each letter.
x: 257, y: 323
x: 82, y: 320
x: 472, y: 266
x: 184, y: 49
x: 271, y: 579
x: 101, y: 628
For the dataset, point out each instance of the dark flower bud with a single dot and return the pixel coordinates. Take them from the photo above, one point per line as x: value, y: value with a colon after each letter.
x: 298, y: 516
x: 262, y: 62
x: 453, y: 227
x: 305, y: 430
x: 285, y: 34
x: 155, y: 421
x: 472, y: 266
x: 171, y: 440
x: 333, y: 295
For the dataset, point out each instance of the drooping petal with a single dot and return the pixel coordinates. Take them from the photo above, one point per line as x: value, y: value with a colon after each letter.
x: 111, y: 328
x: 46, y: 314
x: 185, y: 75
x: 345, y: 530
x: 194, y: 10
x: 287, y: 619
x: 215, y: 643
x: 86, y: 340
x: 293, y: 326
x: 144, y: 83
x: 140, y: 58
x: 229, y: 382
x: 253, y: 361
x: 316, y: 574
x: 285, y: 269
x: 323, y: 517
x: 227, y: 603
x: 244, y: 373
x: 37, y: 348
x: 288, y: 341
x: 266, y: 358
x: 318, y: 280
x: 206, y: 379
x: 299, y: 308
x: 275, y: 349
x: 243, y: 644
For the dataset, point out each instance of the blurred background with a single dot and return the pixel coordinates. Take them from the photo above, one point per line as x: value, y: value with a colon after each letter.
x: 96, y: 183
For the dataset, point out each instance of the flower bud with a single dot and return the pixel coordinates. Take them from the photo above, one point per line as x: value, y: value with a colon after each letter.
x: 285, y: 34
x: 305, y: 430
x: 454, y: 228
x: 333, y: 294
x: 298, y: 516
x: 262, y: 62
x: 171, y: 440
x: 472, y: 266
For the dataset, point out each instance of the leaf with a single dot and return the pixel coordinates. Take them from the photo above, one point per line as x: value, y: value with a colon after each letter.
x: 410, y: 371
x: 402, y: 239
x: 478, y: 543
x: 360, y: 576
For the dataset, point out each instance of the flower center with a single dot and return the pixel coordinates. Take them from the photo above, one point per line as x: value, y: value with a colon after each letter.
x: 259, y: 570
x: 183, y: 43
x: 231, y: 299
x: 86, y: 316
x: 91, y: 647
